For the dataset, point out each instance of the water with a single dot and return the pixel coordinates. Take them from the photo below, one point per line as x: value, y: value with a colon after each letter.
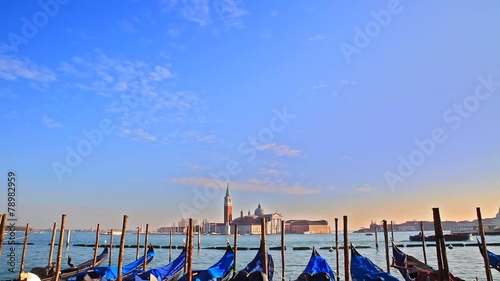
x: 465, y: 262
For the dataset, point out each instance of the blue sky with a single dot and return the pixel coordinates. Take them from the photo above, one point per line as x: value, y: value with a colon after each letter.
x: 377, y: 110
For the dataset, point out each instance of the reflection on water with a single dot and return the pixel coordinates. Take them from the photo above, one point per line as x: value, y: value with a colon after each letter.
x: 465, y: 262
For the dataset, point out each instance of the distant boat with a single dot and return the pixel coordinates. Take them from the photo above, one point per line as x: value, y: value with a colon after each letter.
x: 369, y: 234
x: 108, y: 232
x: 447, y: 237
x: 307, y: 232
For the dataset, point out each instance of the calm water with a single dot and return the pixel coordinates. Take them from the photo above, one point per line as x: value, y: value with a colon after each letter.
x: 465, y: 262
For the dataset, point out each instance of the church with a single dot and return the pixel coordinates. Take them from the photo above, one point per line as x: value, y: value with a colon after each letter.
x: 251, y: 223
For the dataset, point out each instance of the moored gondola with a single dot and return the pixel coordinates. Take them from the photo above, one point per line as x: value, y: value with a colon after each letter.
x: 362, y: 268
x: 317, y: 269
x: 47, y: 273
x: 493, y: 258
x: 220, y: 271
x: 254, y: 271
x: 169, y: 272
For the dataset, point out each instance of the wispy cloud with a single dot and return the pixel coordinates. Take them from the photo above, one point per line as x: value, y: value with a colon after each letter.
x: 127, y: 26
x: 363, y: 188
x: 15, y: 68
x: 280, y: 149
x: 139, y: 93
x: 254, y: 185
x: 51, y: 123
x: 197, y: 11
x: 317, y: 37
x: 229, y: 12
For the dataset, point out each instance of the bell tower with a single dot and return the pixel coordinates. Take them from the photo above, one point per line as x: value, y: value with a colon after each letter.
x: 228, y: 207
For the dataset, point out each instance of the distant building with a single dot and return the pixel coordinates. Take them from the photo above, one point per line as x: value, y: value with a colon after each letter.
x: 307, y: 227
x: 251, y: 224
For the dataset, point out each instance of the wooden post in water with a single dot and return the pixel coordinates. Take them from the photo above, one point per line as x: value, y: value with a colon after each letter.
x: 96, y: 244
x: 392, y: 232
x: 23, y: 256
x: 67, y: 238
x: 235, y: 247
x: 186, y: 247
x: 190, y: 251
x: 347, y: 271
x: 138, y: 242
x: 122, y: 247
x: 146, y: 248
x: 52, y: 242
x: 2, y: 230
x: 337, y: 247
x: 110, y: 246
x: 170, y: 248
x: 483, y: 243
x: 423, y: 241
x: 59, y: 248
x: 440, y: 245
x: 199, y: 237
x: 386, y: 240
x: 263, y: 232
x: 283, y: 250
x: 376, y: 236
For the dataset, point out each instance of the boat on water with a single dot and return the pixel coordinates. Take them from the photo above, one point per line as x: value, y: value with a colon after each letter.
x: 493, y: 258
x: 362, y: 268
x: 254, y: 271
x: 317, y: 269
x: 220, y: 271
x: 111, y: 272
x: 413, y: 269
x: 47, y: 273
x: 447, y: 237
x: 111, y: 232
x: 169, y: 272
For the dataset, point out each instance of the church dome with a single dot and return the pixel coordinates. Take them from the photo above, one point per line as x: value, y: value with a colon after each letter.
x: 259, y: 211
x: 498, y: 214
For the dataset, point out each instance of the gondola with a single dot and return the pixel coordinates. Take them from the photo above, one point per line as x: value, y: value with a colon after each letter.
x: 47, y: 273
x: 363, y: 269
x: 413, y: 269
x: 169, y: 272
x: 317, y: 269
x: 220, y: 271
x: 111, y: 272
x: 254, y: 270
x: 493, y: 258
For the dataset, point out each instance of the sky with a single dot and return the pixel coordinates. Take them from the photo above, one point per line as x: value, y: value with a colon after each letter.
x: 316, y: 110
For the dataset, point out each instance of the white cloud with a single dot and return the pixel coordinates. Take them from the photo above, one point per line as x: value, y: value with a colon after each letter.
x: 51, y: 123
x: 197, y: 11
x: 14, y: 69
x: 317, y: 37
x: 280, y: 149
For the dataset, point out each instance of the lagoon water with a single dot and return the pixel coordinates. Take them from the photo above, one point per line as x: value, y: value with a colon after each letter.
x: 465, y: 262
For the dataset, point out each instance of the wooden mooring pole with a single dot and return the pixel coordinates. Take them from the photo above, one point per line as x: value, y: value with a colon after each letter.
x: 235, y: 248
x: 337, y: 261
x: 67, y: 238
x: 25, y: 247
x: 3, y: 223
x: 138, y: 242
x: 122, y: 249
x: 190, y: 251
x: 386, y: 240
x: 440, y: 245
x: 170, y: 248
x: 96, y: 244
x: 283, y: 250
x: 110, y: 246
x: 376, y: 236
x: 423, y: 241
x: 347, y: 271
x: 59, y: 248
x: 146, y: 248
x: 483, y: 244
x: 52, y: 242
x: 263, y: 232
